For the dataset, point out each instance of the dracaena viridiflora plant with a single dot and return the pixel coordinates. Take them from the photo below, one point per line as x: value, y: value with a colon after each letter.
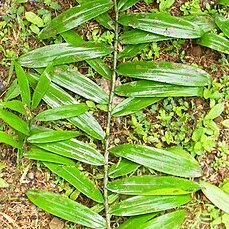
x: 141, y: 198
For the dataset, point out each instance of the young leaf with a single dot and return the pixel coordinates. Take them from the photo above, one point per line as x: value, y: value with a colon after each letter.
x: 178, y: 163
x: 76, y: 178
x: 74, y: 17
x: 14, y: 121
x: 34, y: 19
x: 222, y: 23
x: 131, y: 50
x: 51, y: 136
x: 153, y: 185
x: 217, y: 196
x: 23, y: 84
x: 167, y: 72
x: 162, y: 24
x: 13, y: 91
x: 146, y: 88
x: 215, y: 112
x: 9, y: 140
x: 63, y: 112
x: 139, y: 205
x: 65, y: 208
x: 15, y: 105
x: 126, y: 4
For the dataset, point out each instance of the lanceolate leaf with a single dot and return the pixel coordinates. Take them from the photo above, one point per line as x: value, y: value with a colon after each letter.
x: 132, y: 104
x: 139, y: 205
x: 223, y: 24
x: 125, y: 4
x: 167, y: 72
x: 76, y: 178
x: 14, y: 121
x: 153, y: 185
x: 9, y: 140
x: 217, y: 196
x: 106, y: 21
x: 215, y: 111
x: 76, y: 150
x: 65, y: 208
x: 163, y: 24
x: 63, y: 112
x: 214, y: 41
x: 75, y: 16
x: 13, y: 91
x: 131, y: 50
x: 62, y: 54
x: 23, y: 84
x: 178, y: 163
x: 146, y: 88
x: 15, y: 105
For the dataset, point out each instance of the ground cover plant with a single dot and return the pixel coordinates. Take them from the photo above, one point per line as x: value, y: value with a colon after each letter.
x: 151, y: 174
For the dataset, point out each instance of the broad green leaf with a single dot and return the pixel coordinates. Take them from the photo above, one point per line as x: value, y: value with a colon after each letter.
x: 13, y: 91
x: 214, y: 41
x: 23, y: 84
x: 51, y: 136
x: 222, y: 23
x: 15, y: 105
x: 167, y: 72
x: 153, y: 185
x: 223, y: 2
x: 9, y: 140
x: 215, y: 111
x: 172, y: 220
x: 131, y: 50
x: 63, y: 112
x: 217, y: 196
x: 178, y: 162
x: 34, y: 19
x: 57, y: 97
x: 126, y: 4
x: 76, y: 150
x: 65, y: 208
x: 74, y: 17
x: 41, y: 155
x: 14, y: 121
x: 63, y: 53
x: 42, y: 86
x: 146, y: 88
x: 132, y: 104
x: 76, y: 178
x: 162, y: 24
x: 139, y: 205
x: 106, y: 21
x: 122, y: 168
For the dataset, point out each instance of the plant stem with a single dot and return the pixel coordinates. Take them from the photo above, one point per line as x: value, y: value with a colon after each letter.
x: 109, y: 117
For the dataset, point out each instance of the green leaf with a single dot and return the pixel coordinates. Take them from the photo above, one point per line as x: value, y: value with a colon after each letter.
x: 215, y: 112
x: 175, y: 162
x: 223, y: 2
x: 122, y: 168
x: 14, y: 121
x: 222, y: 23
x: 153, y: 185
x: 76, y: 178
x: 34, y: 19
x: 225, y: 123
x: 9, y: 140
x: 65, y: 208
x: 42, y: 86
x: 214, y: 41
x: 63, y: 112
x: 23, y: 84
x: 3, y: 183
x: 167, y: 72
x: 13, y: 91
x: 63, y: 53
x: 163, y: 24
x: 15, y: 105
x: 146, y: 88
x: 106, y: 21
x: 74, y: 17
x: 217, y: 196
x: 51, y: 136
x: 76, y: 150
x: 126, y: 4
x: 139, y: 205
x: 131, y: 50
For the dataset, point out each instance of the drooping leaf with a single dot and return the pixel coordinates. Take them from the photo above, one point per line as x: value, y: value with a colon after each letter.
x: 215, y: 112
x: 217, y: 196
x: 15, y: 105
x: 23, y: 84
x: 214, y: 41
x: 76, y: 150
x: 132, y: 104
x: 147, y: 88
x: 167, y: 72
x: 131, y: 50
x: 13, y: 91
x: 51, y: 136
x: 65, y: 208
x: 122, y: 168
x: 153, y: 185
x: 9, y: 140
x: 63, y: 53
x: 178, y: 163
x: 76, y: 178
x: 162, y: 24
x: 126, y: 4
x: 14, y: 121
x: 74, y: 17
x: 222, y: 23
x: 63, y: 112
x: 106, y: 21
x: 139, y: 205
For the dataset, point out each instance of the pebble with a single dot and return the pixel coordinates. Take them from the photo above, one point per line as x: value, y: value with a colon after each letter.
x: 56, y: 224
